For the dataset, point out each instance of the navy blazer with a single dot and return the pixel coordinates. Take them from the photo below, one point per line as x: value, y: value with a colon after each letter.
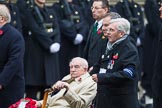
x: 11, y: 66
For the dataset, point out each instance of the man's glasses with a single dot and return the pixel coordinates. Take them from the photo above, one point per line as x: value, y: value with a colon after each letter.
x: 96, y: 8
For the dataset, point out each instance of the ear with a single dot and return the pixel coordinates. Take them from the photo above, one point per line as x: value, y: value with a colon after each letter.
x: 122, y: 34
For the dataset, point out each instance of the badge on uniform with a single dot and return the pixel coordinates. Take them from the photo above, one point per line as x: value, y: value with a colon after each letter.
x: 102, y: 70
x: 112, y: 62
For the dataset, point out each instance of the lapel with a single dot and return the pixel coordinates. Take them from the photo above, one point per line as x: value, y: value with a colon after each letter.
x: 96, y: 38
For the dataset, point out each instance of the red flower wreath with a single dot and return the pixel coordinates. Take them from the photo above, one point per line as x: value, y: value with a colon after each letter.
x: 30, y: 103
x: 1, y: 32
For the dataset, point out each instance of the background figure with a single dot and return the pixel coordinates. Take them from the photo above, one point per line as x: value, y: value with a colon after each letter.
x: 157, y: 75
x: 116, y: 71
x: 12, y: 85
x: 96, y: 40
x: 150, y: 48
x: 42, y: 38
x: 85, y: 6
x: 76, y: 90
x: 74, y: 30
x: 15, y: 15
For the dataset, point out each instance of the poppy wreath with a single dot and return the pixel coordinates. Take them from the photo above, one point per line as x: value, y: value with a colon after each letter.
x: 30, y: 103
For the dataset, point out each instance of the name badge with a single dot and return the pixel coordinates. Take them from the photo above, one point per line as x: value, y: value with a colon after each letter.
x: 102, y: 70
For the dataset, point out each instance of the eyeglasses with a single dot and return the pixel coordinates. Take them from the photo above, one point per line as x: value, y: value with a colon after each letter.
x: 96, y: 8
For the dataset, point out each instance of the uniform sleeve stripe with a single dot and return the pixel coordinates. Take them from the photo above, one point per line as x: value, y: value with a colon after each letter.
x: 129, y: 71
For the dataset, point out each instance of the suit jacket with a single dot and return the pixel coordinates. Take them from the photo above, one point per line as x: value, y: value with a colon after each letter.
x: 11, y: 66
x: 94, y: 47
x: 80, y: 94
x: 116, y: 88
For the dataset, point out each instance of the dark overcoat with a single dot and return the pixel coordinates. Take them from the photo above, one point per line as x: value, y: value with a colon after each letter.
x: 69, y: 28
x: 40, y: 30
x: 150, y: 44
x: 116, y: 89
x: 15, y: 16
x: 11, y: 66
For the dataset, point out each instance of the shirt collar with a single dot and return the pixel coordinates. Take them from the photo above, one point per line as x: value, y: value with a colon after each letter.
x: 99, y: 24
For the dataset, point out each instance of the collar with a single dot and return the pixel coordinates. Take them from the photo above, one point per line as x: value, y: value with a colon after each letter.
x: 79, y: 79
x: 82, y: 77
x: 110, y: 46
x: 99, y: 24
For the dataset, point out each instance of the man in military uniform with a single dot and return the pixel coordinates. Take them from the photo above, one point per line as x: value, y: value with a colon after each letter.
x: 74, y: 31
x: 42, y: 40
x: 150, y: 46
x: 15, y: 15
x: 157, y: 72
x: 85, y: 6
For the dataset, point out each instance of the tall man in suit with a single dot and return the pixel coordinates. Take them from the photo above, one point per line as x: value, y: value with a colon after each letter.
x: 116, y: 71
x: 157, y: 75
x: 96, y: 41
x: 12, y: 83
x: 76, y: 90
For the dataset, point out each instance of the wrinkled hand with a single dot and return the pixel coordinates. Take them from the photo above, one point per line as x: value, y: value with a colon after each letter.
x: 94, y: 77
x: 60, y: 85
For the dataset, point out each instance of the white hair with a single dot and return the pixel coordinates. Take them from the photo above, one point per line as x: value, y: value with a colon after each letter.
x: 83, y: 62
x: 123, y: 24
x: 4, y: 12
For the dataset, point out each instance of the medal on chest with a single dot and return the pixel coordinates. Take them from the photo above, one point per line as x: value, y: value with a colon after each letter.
x: 112, y: 60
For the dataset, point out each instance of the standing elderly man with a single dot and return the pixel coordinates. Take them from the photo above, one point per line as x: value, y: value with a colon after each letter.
x: 157, y: 75
x: 115, y: 72
x: 11, y: 61
x: 77, y: 90
x: 96, y: 41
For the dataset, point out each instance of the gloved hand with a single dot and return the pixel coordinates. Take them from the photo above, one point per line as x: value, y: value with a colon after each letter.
x: 78, y: 39
x: 138, y: 42
x: 55, y: 47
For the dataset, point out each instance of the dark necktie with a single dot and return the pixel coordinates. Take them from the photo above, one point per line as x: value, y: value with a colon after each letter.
x: 95, y: 28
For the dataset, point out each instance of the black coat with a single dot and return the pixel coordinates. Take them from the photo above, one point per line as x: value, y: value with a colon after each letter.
x: 11, y: 66
x: 116, y: 89
x: 150, y: 43
x: 135, y: 15
x: 69, y: 29
x: 157, y: 74
x: 40, y: 29
x: 15, y: 16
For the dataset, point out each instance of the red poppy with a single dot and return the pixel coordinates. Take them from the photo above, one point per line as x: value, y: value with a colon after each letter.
x: 115, y: 56
x: 99, y: 31
x: 1, y: 32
